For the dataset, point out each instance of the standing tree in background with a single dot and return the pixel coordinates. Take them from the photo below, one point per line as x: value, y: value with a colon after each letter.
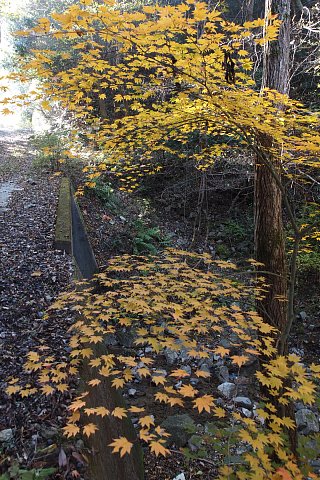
x: 269, y: 228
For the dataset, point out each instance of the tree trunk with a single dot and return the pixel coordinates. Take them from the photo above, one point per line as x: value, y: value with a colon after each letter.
x: 269, y: 231
x: 269, y: 234
x: 248, y: 10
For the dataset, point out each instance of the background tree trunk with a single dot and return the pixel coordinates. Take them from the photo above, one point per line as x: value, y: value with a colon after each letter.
x: 269, y: 234
x: 269, y: 231
x: 248, y: 10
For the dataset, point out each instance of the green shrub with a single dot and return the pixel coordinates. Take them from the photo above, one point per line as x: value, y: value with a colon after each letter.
x: 147, y: 239
x: 105, y: 193
x: 49, y: 150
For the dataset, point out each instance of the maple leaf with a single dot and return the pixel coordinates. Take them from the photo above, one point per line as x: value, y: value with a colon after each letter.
x: 158, y: 379
x: 77, y: 404
x: 145, y: 435
x: 204, y: 403
x: 89, y: 429
x: 47, y: 390
x: 219, y: 412
x: 146, y: 421
x: 94, y: 382
x: 71, y: 430
x: 143, y: 372
x: 119, y: 412
x: 221, y: 351
x: 102, y: 411
x: 134, y: 409
x: 188, y: 391
x: 175, y: 401
x: 161, y: 397
x: 179, y: 373
x: 239, y: 359
x: 12, y: 389
x: 62, y: 387
x: 160, y: 431
x: 158, y: 448
x: 118, y: 382
x: 37, y: 273
x: 282, y: 474
x: 202, y: 373
x: 121, y: 445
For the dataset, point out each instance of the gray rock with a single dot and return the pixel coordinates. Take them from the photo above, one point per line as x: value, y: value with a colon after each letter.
x: 194, y: 443
x: 247, y: 413
x: 223, y: 373
x: 6, y: 435
x: 181, y: 476
x: 110, y: 340
x: 49, y: 432
x: 205, y: 368
x: 227, y: 389
x: 194, y: 381
x: 315, y: 464
x: 208, y: 361
x: 250, y: 367
x: 126, y: 337
x: 132, y: 392
x: 225, y: 342
x: 171, y: 356
x: 79, y: 444
x: 307, y: 422
x: 243, y: 402
x: 181, y: 429
x: 187, y: 369
x: 303, y: 316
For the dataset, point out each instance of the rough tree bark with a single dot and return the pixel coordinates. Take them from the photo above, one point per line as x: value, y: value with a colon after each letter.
x: 269, y: 234
x: 269, y: 231
x: 248, y: 10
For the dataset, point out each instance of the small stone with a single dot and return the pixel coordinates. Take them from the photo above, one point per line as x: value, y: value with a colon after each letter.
x: 227, y: 389
x: 307, y: 422
x: 243, y: 402
x: 194, y: 443
x: 303, y: 316
x: 171, y: 356
x: 205, y: 368
x: 208, y: 361
x: 111, y: 341
x: 247, y: 413
x: 126, y: 337
x: 49, y: 432
x: 223, y: 373
x: 6, y: 435
x: 194, y: 381
x: 132, y: 392
x: 79, y: 444
x: 181, y: 476
x: 187, y: 369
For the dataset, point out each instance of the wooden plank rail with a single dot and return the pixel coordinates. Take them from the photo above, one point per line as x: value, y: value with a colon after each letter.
x: 71, y: 237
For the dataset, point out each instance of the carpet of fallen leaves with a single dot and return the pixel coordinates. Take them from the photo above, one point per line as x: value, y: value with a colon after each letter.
x: 32, y: 273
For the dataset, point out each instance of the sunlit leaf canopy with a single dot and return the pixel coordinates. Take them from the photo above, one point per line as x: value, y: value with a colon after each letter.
x: 165, y: 71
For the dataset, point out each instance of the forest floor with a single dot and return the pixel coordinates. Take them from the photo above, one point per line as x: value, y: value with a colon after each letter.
x: 32, y: 274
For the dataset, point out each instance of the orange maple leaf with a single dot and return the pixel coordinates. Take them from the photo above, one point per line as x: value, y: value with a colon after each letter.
x: 158, y: 448
x: 203, y: 403
x: 121, y: 445
x: 89, y: 429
